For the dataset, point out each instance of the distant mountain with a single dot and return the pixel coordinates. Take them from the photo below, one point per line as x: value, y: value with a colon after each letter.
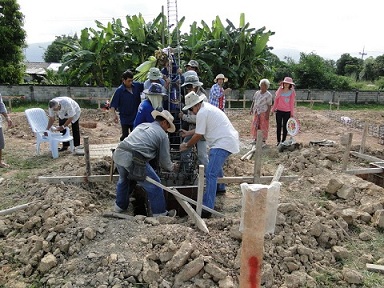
x: 35, y: 52
x: 287, y: 53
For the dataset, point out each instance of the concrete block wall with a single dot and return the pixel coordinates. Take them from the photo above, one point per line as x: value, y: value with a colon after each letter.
x: 45, y: 93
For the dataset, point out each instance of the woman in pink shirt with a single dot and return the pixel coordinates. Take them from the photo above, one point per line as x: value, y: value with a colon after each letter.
x: 284, y: 107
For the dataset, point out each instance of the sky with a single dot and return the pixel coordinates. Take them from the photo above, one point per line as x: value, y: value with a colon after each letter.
x: 327, y: 28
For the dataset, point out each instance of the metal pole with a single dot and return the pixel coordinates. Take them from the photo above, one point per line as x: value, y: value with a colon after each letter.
x: 86, y: 156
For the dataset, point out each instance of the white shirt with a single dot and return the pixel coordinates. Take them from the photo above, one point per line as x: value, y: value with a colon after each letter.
x: 217, y: 129
x: 2, y: 110
x: 69, y: 108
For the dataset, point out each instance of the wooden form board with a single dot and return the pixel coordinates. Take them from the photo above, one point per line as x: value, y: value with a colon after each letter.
x: 366, y: 157
x: 374, y: 161
x: 375, y: 268
x: 364, y: 171
x: 103, y: 178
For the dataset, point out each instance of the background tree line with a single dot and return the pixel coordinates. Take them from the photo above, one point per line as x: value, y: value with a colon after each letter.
x: 98, y: 56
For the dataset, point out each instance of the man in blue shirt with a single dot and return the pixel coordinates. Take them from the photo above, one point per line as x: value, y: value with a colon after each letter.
x: 126, y: 101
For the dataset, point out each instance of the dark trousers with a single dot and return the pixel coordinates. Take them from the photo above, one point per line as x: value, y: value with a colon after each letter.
x: 281, y: 122
x: 75, y: 132
x: 125, y: 129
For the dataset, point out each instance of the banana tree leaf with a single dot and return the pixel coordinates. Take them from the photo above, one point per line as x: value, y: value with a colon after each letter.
x: 261, y: 43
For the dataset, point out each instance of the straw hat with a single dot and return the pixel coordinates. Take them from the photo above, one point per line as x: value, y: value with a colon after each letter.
x: 191, y: 99
x: 220, y: 76
x: 167, y: 116
x: 288, y: 80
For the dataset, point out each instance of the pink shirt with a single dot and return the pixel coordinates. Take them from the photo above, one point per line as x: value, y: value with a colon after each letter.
x: 284, y: 101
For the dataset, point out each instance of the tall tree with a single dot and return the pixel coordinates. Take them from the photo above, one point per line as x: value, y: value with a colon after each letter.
x: 368, y: 72
x: 12, y: 42
x: 314, y: 72
x: 379, y: 66
x: 56, y: 50
x: 347, y: 65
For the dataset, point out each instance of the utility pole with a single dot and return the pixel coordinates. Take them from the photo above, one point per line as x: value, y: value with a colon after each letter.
x: 363, y: 53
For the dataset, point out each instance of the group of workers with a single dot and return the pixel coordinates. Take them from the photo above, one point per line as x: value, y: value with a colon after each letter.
x: 208, y: 127
x: 144, y: 126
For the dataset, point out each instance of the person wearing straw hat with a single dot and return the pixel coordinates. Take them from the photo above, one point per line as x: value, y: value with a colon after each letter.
x: 154, y: 96
x: 147, y: 141
x: 284, y: 107
x: 217, y: 92
x: 222, y: 139
x: 192, y: 83
x: 3, y: 111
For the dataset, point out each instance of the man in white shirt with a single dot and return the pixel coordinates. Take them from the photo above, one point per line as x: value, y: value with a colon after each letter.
x: 68, y: 112
x: 3, y: 111
x: 222, y: 139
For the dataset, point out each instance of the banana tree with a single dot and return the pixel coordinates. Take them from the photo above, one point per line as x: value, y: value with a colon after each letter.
x: 236, y: 52
x: 93, y: 58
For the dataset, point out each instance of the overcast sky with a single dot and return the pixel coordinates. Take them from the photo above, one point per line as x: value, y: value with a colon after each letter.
x: 328, y: 28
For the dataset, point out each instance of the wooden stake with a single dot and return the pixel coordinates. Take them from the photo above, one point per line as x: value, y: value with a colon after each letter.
x: 177, y: 194
x: 346, y: 153
x: 16, y: 208
x: 250, y: 152
x: 253, y: 224
x: 364, y: 138
x: 200, y: 190
x: 194, y: 216
x: 86, y: 156
x: 112, y: 167
x: 257, y: 166
x: 278, y: 173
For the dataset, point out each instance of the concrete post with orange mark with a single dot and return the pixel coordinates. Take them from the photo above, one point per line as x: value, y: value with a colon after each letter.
x: 253, y: 221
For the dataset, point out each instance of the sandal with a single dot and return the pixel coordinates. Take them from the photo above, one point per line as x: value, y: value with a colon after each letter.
x: 4, y: 165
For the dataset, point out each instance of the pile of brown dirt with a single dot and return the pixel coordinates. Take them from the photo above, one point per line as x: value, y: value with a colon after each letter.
x: 327, y: 223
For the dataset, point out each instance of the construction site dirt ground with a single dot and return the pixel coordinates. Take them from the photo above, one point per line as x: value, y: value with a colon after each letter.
x: 328, y: 223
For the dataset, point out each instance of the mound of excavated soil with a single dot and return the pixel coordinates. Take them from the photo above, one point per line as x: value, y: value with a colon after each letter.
x: 329, y: 224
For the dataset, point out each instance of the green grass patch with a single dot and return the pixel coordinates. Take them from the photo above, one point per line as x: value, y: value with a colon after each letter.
x: 344, y: 106
x: 376, y: 248
x: 373, y: 279
x: 326, y: 279
x: 33, y: 162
